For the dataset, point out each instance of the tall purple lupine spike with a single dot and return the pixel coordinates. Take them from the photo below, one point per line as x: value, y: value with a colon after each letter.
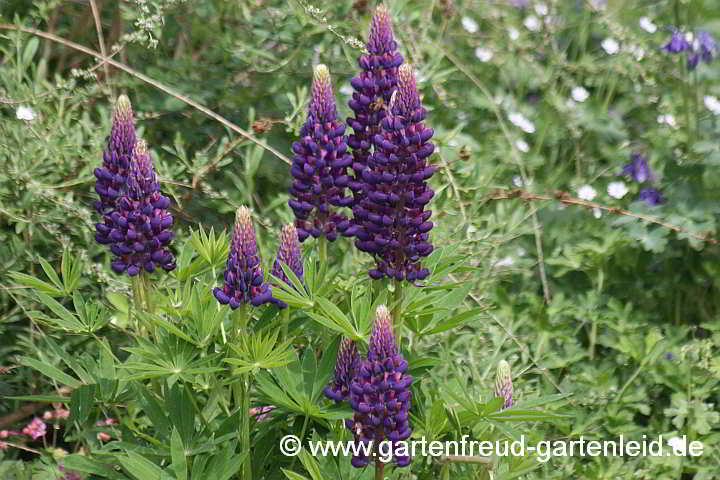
x: 139, y: 229
x: 111, y: 177
x: 380, y: 393
x: 290, y: 254
x: 503, y: 383
x: 319, y: 167
x: 244, y: 278
x: 391, y: 222
x: 373, y: 90
x: 347, y: 358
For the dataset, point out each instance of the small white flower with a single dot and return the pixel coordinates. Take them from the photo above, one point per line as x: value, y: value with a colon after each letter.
x: 518, y: 181
x: 504, y: 262
x: 513, y: 33
x: 579, y: 94
x: 647, y: 25
x: 519, y: 120
x: 667, y: 119
x: 678, y: 445
x: 597, y: 213
x: 532, y: 23
x: 346, y: 90
x: 541, y: 9
x: 617, y: 189
x: 712, y: 104
x: 586, y: 192
x: 25, y: 113
x: 689, y: 37
x: 469, y: 24
x: 522, y: 145
x: 611, y: 46
x: 483, y: 54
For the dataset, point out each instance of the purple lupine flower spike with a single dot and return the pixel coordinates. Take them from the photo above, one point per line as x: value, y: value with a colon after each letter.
x: 380, y: 393
x: 111, y: 177
x: 290, y: 254
x: 139, y: 229
x: 373, y: 90
x: 652, y: 196
x: 319, y: 167
x: 704, y: 48
x: 244, y: 279
x: 391, y: 222
x: 638, y: 169
x: 503, y: 383
x: 347, y: 358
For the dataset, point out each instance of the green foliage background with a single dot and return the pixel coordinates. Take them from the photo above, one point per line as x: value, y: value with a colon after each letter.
x: 615, y: 315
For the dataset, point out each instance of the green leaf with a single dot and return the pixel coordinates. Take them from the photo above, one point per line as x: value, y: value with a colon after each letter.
x: 177, y: 452
x: 50, y: 371
x: 141, y: 468
x: 292, y: 475
x: 81, y: 403
x: 454, y: 321
x: 36, y: 283
x: 84, y: 464
x: 67, y: 320
x: 50, y: 272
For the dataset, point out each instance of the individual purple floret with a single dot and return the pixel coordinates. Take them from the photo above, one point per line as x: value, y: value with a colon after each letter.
x: 678, y: 43
x: 244, y: 279
x: 651, y: 196
x: 112, y: 176
x: 380, y: 393
x: 347, y: 358
x: 373, y: 90
x: 704, y: 48
x: 391, y: 222
x: 319, y: 167
x: 638, y: 169
x: 139, y: 229
x: 503, y: 383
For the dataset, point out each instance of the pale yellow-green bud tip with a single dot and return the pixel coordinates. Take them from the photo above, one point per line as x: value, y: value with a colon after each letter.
x: 123, y: 108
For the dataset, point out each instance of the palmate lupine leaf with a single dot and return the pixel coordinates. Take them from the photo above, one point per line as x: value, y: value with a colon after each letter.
x: 256, y: 352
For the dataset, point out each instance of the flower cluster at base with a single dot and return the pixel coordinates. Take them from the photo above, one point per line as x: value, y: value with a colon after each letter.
x: 138, y: 229
x: 290, y: 254
x: 380, y: 393
x: 373, y: 90
x: 244, y: 278
x: 503, y: 383
x: 320, y: 165
x: 112, y: 176
x: 390, y: 221
x: 347, y: 360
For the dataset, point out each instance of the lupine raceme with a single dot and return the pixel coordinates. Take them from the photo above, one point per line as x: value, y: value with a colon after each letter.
x: 380, y: 393
x: 244, y: 278
x: 319, y: 167
x: 290, y: 254
x: 373, y: 89
x: 503, y: 383
x: 347, y: 359
x: 139, y: 227
x: 390, y: 222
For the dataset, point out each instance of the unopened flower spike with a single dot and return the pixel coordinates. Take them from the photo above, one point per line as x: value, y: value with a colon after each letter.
x: 290, y: 254
x: 345, y: 363
x: 139, y: 228
x: 244, y: 278
x: 380, y: 393
x: 503, y: 383
x: 319, y: 167
x: 373, y: 87
x: 391, y: 222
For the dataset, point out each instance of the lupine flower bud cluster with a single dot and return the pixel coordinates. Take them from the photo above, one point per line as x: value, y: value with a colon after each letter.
x: 503, y: 383
x: 380, y: 392
x: 112, y: 176
x: 244, y: 278
x: 373, y: 90
x: 319, y: 167
x: 390, y: 221
x: 701, y: 46
x: 639, y: 170
x: 347, y: 360
x: 138, y: 229
x: 289, y: 254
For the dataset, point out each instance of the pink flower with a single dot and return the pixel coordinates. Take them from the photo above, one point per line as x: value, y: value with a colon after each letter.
x: 261, y: 413
x: 35, y: 429
x: 3, y: 446
x: 102, y: 436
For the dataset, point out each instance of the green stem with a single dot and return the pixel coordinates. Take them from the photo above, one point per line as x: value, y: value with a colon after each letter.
x: 379, y: 469
x: 241, y: 391
x: 302, y: 435
x: 285, y: 323
x: 396, y: 309
x: 322, y: 257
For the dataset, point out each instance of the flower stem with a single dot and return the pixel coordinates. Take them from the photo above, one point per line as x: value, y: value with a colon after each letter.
x: 241, y: 391
x: 396, y: 309
x: 322, y: 256
x: 379, y: 469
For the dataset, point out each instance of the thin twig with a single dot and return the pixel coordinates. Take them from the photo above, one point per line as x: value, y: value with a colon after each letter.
x: 565, y: 198
x: 211, y: 166
x: 101, y: 41
x: 160, y: 86
x: 537, y: 230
